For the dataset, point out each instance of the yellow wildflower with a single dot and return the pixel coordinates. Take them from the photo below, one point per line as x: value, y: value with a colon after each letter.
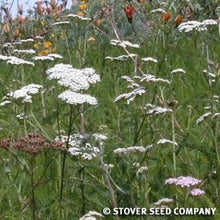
x: 80, y: 13
x: 47, y: 44
x: 83, y: 7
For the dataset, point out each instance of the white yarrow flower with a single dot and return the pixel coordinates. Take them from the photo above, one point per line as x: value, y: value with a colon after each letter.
x: 30, y: 51
x: 158, y: 110
x: 124, y: 43
x: 150, y: 59
x: 4, y: 58
x: 25, y: 93
x: 74, y: 79
x: 127, y: 150
x: 200, y: 119
x: 17, y: 61
x: 189, y: 26
x: 179, y: 70
x: 131, y: 95
x: 74, y: 98
x: 158, y: 10
x: 92, y: 215
x: 152, y: 78
x: 142, y: 170
x: 166, y: 141
x: 164, y: 201
x: 60, y: 23
x: 79, y: 17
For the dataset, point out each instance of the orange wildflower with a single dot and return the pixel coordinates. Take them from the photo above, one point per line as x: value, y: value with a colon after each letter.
x: 98, y: 22
x: 6, y: 28
x: 80, y: 13
x: 129, y: 11
x: 178, y: 20
x: 166, y: 16
x: 47, y: 44
x: 83, y: 7
x: 21, y: 19
x: 17, y: 32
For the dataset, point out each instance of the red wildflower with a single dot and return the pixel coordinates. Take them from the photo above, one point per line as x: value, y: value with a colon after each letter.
x: 166, y: 16
x: 129, y: 11
x: 178, y: 20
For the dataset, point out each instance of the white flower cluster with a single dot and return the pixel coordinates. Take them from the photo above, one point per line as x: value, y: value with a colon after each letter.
x: 100, y: 137
x: 158, y: 10
x: 131, y: 95
x: 30, y: 51
x: 124, y: 44
x: 149, y: 59
x: 142, y: 170
x: 127, y: 150
x: 122, y: 57
x: 152, y: 78
x: 92, y: 215
x: 189, y: 26
x: 74, y: 98
x: 79, y: 17
x: 60, y: 23
x: 50, y: 56
x: 206, y: 115
x: 163, y: 202
x: 132, y: 84
x: 80, y: 146
x: 17, y: 61
x: 4, y: 58
x: 25, y: 94
x: 166, y: 141
x: 179, y: 70
x: 74, y: 79
x: 156, y: 110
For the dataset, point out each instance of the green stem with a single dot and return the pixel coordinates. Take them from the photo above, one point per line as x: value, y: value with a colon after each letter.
x: 71, y: 118
x: 33, y: 201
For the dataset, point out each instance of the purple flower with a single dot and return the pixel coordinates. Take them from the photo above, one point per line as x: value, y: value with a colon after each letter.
x: 183, y: 181
x: 197, y: 192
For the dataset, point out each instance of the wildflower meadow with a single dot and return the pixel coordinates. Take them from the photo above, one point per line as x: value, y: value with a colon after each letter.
x: 110, y: 109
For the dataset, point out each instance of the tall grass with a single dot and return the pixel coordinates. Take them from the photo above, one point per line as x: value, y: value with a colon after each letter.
x: 42, y: 176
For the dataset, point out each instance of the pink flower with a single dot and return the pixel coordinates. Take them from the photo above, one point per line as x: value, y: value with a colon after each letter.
x: 183, y: 181
x: 197, y: 192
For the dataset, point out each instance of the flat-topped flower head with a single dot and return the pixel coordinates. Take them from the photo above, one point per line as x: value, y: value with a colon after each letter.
x: 189, y: 26
x: 129, y: 97
x: 152, y: 78
x: 74, y: 98
x: 78, y: 17
x: 74, y: 79
x: 183, y: 181
x: 24, y: 94
x: 17, y: 61
x: 166, y: 141
x: 203, y: 117
x: 122, y: 57
x: 158, y: 111
x: 61, y: 23
x: 124, y: 43
x: 92, y: 215
x: 4, y: 58
x: 163, y: 202
x: 128, y: 150
x: 197, y: 192
x: 80, y: 146
x: 149, y: 59
x: 30, y: 51
x: 179, y: 70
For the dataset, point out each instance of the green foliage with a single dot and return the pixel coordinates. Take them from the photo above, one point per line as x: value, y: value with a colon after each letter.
x: 53, y: 184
